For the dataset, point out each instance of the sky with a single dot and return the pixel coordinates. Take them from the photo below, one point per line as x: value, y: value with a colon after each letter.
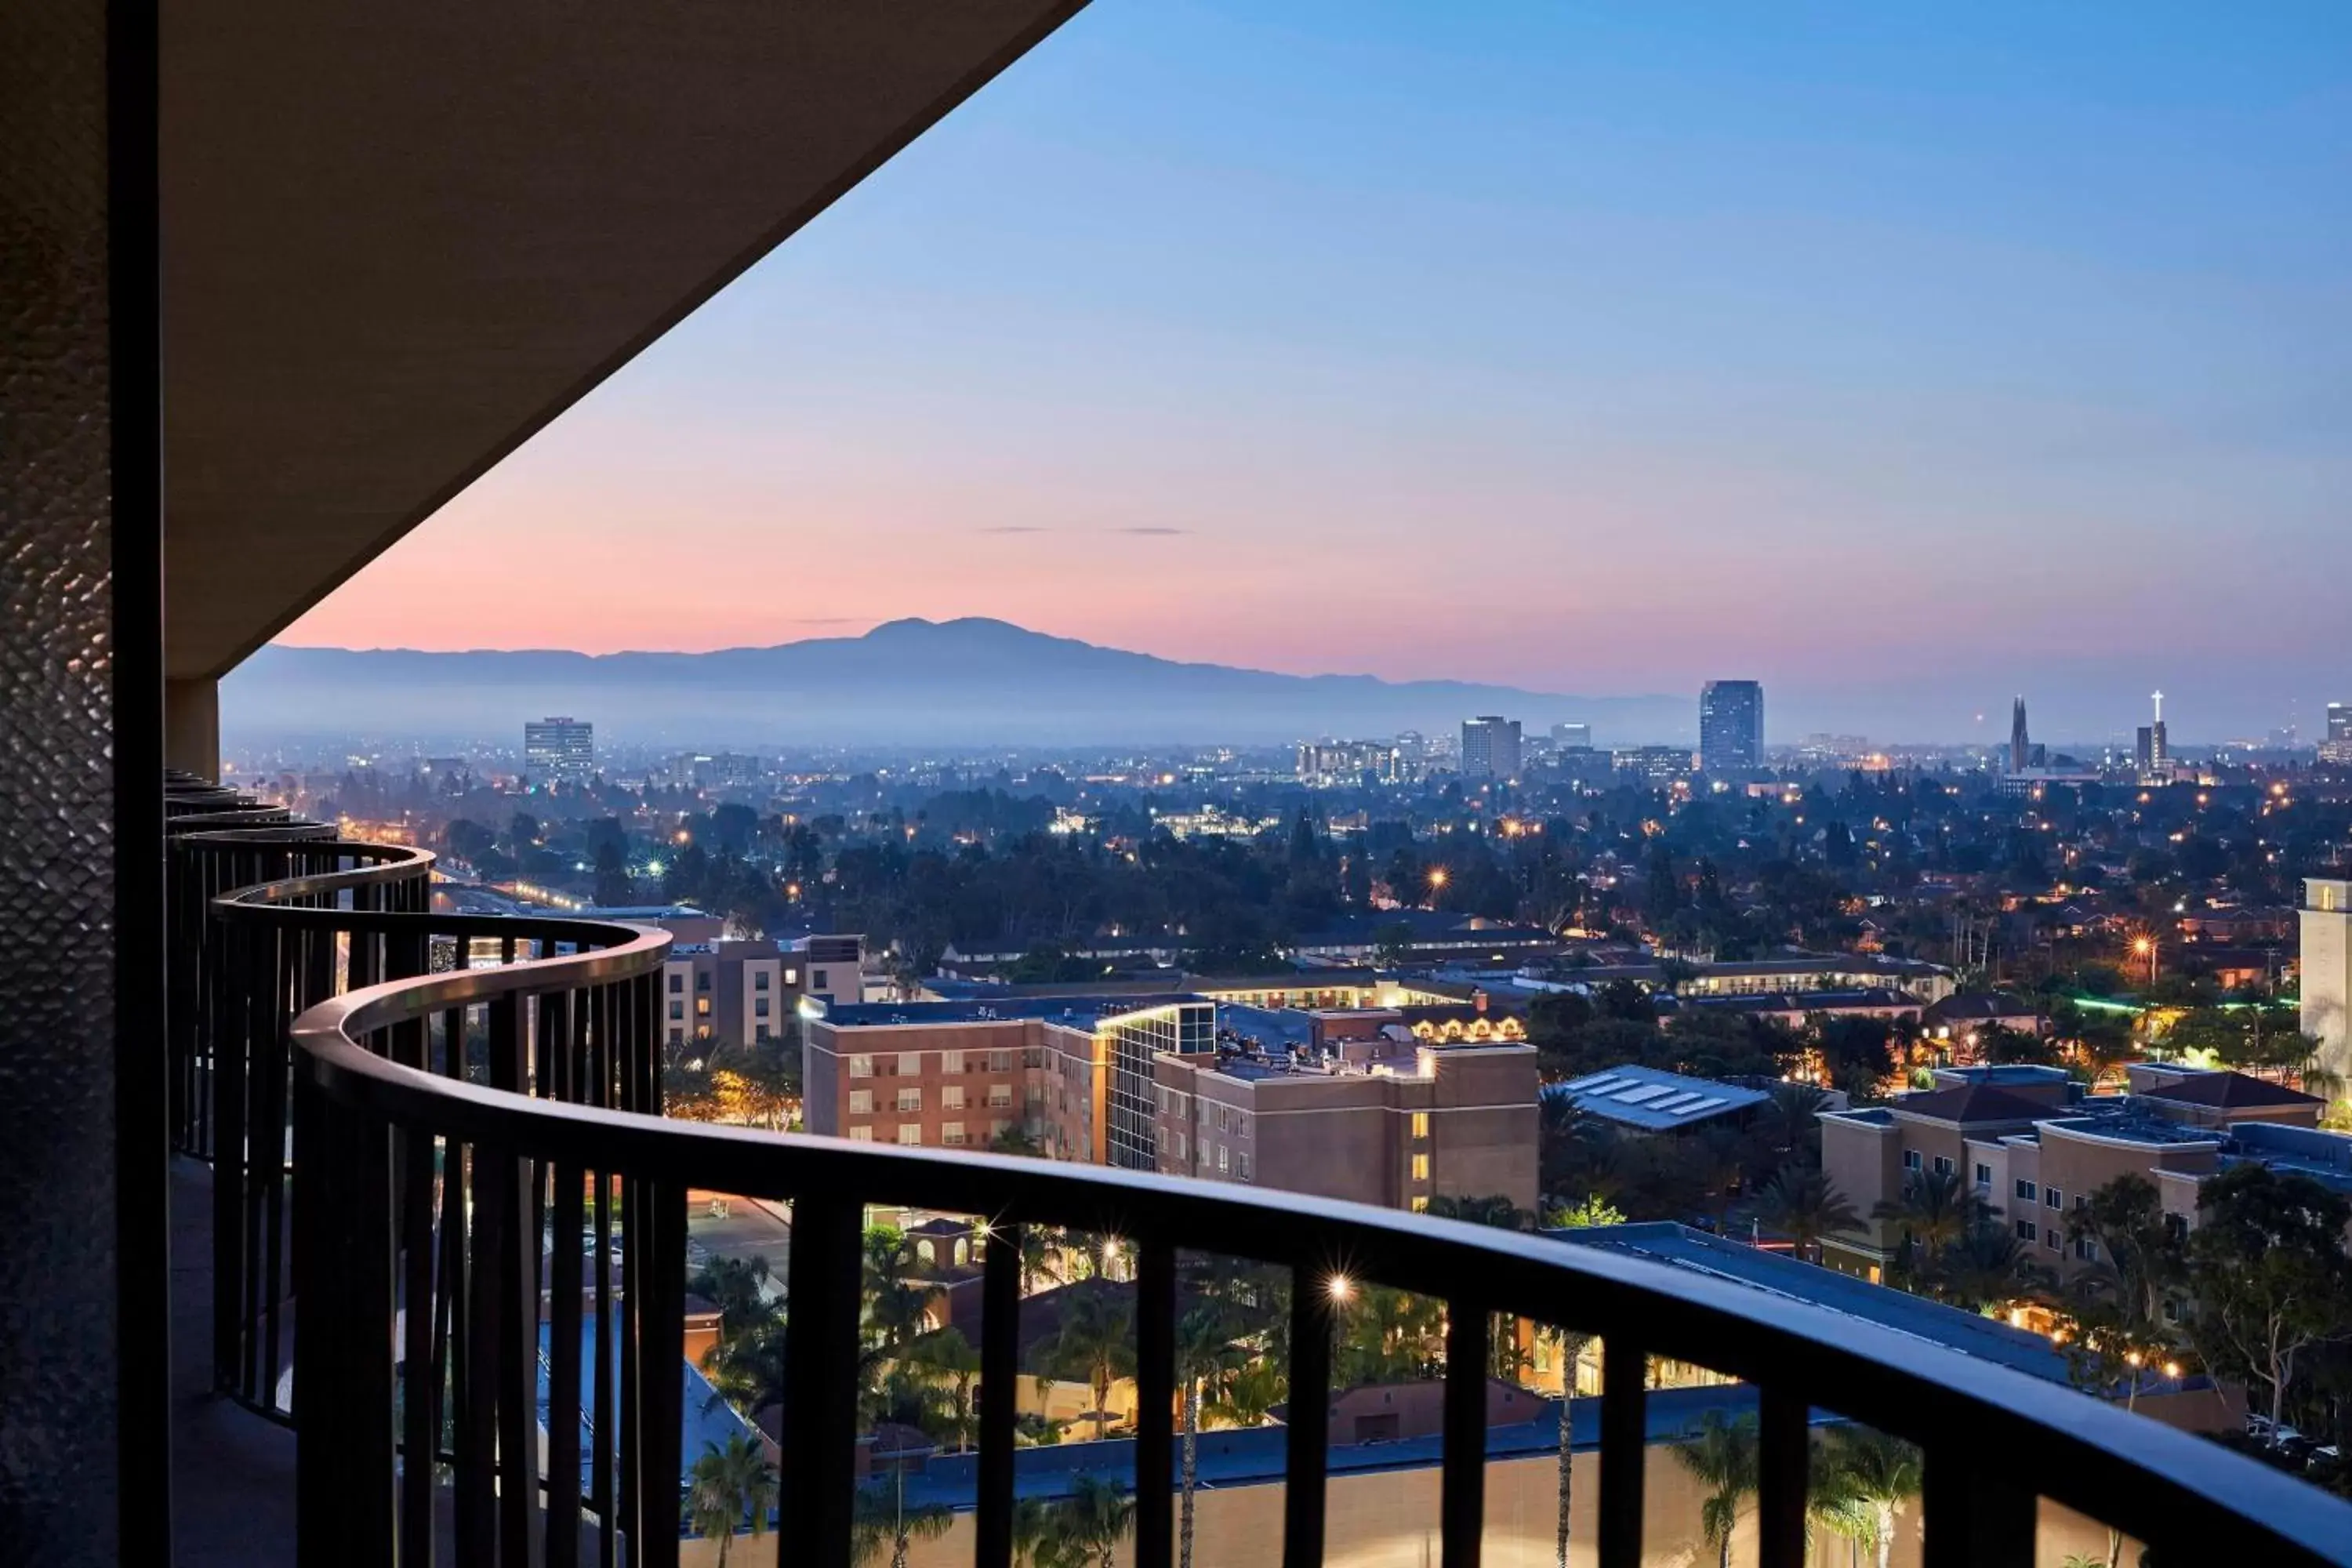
x: 1902, y: 356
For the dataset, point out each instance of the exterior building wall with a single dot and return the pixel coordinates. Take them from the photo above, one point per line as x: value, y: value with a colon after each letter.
x: 2073, y: 1165
x: 1863, y: 1161
x: 2326, y: 970
x: 951, y: 1084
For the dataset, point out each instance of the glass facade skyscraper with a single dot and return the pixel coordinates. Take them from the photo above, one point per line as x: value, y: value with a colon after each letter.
x: 1188, y: 1028
x: 1731, y: 727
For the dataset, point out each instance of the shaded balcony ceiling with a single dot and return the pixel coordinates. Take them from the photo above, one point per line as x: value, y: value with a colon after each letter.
x: 400, y: 239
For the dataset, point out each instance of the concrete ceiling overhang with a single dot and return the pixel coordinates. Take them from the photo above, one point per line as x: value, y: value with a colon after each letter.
x: 399, y: 239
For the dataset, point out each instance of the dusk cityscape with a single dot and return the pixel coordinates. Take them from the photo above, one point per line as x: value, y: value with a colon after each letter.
x: 1164, y: 782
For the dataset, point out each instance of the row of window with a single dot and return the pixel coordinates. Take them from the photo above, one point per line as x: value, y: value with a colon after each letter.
x: 952, y: 1098
x: 910, y: 1064
x: 759, y: 978
x: 952, y: 1134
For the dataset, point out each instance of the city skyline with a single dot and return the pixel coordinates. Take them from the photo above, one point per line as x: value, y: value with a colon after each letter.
x: 1490, y: 319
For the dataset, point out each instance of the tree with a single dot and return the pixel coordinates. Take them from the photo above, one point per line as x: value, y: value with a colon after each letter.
x: 1204, y: 1348
x: 897, y: 1307
x: 1494, y: 1210
x: 732, y: 1285
x: 1801, y: 1202
x: 949, y: 1354
x: 1863, y: 1481
x: 1986, y: 1267
x: 1935, y: 1210
x: 727, y: 1483
x: 1392, y: 945
x: 1096, y: 1343
x: 1249, y: 1396
x: 2269, y: 1275
x: 1090, y: 1525
x: 1858, y: 1051
x: 880, y: 1516
x: 1586, y: 1212
x: 2139, y: 1256
x: 1721, y: 1456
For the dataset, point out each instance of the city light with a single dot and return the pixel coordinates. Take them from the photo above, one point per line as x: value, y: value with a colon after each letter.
x: 1438, y: 878
x: 1341, y: 1289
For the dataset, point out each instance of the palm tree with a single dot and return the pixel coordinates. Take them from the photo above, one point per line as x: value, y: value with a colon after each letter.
x: 727, y: 1483
x: 949, y: 1354
x: 1040, y: 1258
x: 1868, y: 1479
x: 1250, y: 1394
x: 747, y: 1372
x: 1935, y: 1210
x: 1033, y: 1531
x: 1803, y: 1204
x: 1987, y: 1267
x: 1094, y: 1521
x: 897, y: 1307
x: 1790, y: 1120
x: 1721, y: 1456
x: 1569, y: 1345
x: 1204, y: 1347
x: 1097, y: 1343
x: 732, y: 1285
x: 880, y: 1517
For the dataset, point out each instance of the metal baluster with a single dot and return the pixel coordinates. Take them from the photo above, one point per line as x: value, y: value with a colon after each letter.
x: 1624, y: 1441
x: 663, y: 1326
x: 1971, y: 1518
x: 1155, y: 1398
x: 508, y: 1178
x: 1000, y: 1371
x: 1462, y: 1501
x: 1308, y: 1435
x: 1784, y: 1442
x: 821, y: 1376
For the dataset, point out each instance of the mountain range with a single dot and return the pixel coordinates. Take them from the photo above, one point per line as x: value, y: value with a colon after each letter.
x: 969, y: 682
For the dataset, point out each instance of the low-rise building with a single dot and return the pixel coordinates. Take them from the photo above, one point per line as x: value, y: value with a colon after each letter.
x: 745, y: 992
x: 1648, y: 1100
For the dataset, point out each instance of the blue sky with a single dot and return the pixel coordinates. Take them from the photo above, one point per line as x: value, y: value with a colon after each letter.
x: 1903, y: 356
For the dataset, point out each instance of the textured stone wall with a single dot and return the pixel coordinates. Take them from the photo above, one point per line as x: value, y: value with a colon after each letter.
x: 59, y: 1417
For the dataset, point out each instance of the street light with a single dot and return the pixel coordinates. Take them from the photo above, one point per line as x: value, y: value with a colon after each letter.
x: 1341, y: 1289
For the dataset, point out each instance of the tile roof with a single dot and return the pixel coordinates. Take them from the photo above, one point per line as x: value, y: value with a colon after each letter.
x: 2228, y: 1090
x: 1972, y: 1102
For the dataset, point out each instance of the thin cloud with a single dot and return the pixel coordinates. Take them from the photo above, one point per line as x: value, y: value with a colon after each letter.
x: 826, y: 620
x: 1153, y: 532
x: 1014, y: 528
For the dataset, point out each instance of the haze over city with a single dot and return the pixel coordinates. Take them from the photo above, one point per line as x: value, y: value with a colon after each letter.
x: 1900, y: 362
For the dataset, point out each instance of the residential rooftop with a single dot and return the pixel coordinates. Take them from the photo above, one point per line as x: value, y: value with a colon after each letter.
x: 1076, y: 1011
x: 1656, y: 1102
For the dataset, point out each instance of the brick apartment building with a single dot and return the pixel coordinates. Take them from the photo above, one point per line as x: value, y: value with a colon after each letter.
x: 2031, y: 1146
x: 1350, y: 1103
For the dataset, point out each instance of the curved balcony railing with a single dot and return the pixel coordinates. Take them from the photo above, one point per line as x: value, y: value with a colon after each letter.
x: 445, y: 1124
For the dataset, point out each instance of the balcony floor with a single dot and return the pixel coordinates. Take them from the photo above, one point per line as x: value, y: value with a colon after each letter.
x: 232, y: 1472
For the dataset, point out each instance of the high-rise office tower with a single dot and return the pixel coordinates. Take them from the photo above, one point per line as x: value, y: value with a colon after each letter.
x: 560, y: 751
x: 2337, y: 747
x: 2021, y: 748
x: 1566, y: 735
x: 1490, y: 747
x: 1731, y: 727
x: 2153, y: 753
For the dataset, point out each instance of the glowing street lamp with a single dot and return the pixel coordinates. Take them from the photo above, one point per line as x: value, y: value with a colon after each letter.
x: 1341, y: 1289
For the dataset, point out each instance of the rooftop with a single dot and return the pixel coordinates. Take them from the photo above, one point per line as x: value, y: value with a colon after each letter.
x: 1656, y: 1102
x: 2127, y: 1124
x: 1970, y: 1102
x: 1078, y: 1011
x: 2228, y: 1092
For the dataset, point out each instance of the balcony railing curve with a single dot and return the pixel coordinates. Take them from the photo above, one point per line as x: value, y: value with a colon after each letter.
x: 1993, y: 1438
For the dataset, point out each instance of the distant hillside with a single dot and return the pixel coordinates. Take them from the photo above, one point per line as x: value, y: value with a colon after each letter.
x: 962, y: 682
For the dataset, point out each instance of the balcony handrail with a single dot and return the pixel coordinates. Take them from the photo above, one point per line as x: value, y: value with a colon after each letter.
x: 1987, y: 1431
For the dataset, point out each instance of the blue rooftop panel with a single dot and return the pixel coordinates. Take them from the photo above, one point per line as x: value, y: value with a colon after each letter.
x: 1655, y: 1101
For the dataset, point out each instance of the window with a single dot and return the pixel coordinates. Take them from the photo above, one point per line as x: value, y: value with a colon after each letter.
x: 792, y: 977
x: 910, y: 1099
x: 861, y: 1103
x: 759, y: 1033
x: 1943, y: 1166
x: 2025, y: 1230
x: 2086, y: 1250
x: 677, y: 1011
x: 951, y: 1135
x: 759, y: 980
x: 1000, y: 1095
x: 1984, y: 1176
x: 1421, y: 1124
x: 861, y: 1067
x: 1421, y: 1167
x: 2051, y: 1198
x: 2025, y: 1190
x: 677, y: 1037
x: 759, y: 1006
x: 861, y: 1135
x: 952, y: 1098
x: 1910, y: 1159
x: 910, y: 1064
x: 910, y: 1134
x: 951, y: 1061
x: 1421, y: 1206
x: 1000, y: 1061
x: 816, y: 981
x: 1178, y: 1150
x: 1223, y: 1160
x: 702, y: 1006
x: 702, y: 980
x: 2052, y: 1239
x: 702, y: 1031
